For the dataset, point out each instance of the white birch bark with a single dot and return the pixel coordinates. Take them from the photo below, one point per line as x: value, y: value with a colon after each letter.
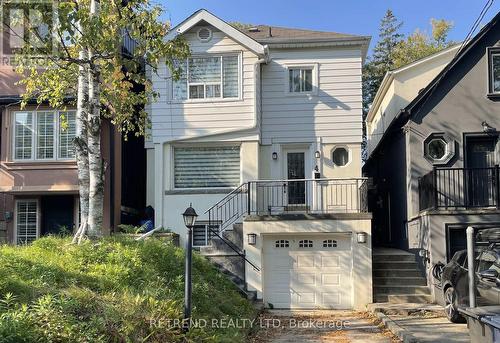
x: 81, y: 146
x: 96, y: 167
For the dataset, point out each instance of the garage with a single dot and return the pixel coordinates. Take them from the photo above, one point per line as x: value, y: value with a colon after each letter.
x: 308, y: 271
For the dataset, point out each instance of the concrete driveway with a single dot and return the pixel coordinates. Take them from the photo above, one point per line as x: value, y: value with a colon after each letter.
x: 279, y: 326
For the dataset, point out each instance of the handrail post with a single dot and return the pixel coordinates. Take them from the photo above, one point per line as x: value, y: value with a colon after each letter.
x: 434, y: 170
x: 497, y: 172
x: 249, y: 198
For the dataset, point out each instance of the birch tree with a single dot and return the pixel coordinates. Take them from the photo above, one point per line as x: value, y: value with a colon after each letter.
x: 94, y: 56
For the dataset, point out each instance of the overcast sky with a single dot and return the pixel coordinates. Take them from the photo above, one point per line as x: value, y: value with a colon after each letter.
x: 346, y: 16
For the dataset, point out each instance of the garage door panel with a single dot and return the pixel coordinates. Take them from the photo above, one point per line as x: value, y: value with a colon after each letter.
x: 304, y: 261
x: 308, y: 277
x: 330, y: 279
x: 300, y: 279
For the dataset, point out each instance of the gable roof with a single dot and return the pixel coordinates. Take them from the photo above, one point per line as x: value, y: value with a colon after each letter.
x: 392, y: 74
x: 205, y: 16
x: 276, y: 34
x: 409, y: 112
x: 258, y: 37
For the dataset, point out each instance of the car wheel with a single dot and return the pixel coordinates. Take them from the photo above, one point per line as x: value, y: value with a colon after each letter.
x: 451, y: 306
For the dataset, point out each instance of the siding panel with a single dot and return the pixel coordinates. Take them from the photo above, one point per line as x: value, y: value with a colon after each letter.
x: 334, y: 113
x: 173, y: 119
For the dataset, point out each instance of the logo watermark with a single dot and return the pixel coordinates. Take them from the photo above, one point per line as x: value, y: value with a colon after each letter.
x: 245, y: 323
x: 27, y: 29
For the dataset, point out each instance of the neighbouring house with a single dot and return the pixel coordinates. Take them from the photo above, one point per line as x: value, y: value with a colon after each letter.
x: 38, y: 172
x: 262, y: 134
x: 435, y: 162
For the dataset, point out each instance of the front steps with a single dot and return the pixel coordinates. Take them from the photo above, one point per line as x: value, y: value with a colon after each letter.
x: 397, y: 278
x: 227, y: 260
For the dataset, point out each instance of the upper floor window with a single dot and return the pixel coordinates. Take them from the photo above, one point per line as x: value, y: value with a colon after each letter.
x: 208, y: 77
x: 44, y: 135
x: 494, y: 71
x: 300, y: 80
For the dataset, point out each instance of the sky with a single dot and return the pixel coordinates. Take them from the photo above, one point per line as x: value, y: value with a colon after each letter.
x: 346, y: 16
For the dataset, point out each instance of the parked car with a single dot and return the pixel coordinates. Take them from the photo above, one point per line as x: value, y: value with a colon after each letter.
x: 456, y: 285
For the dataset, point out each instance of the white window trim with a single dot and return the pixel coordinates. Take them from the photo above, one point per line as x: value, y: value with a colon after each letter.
x: 34, y: 144
x: 37, y: 217
x: 349, y: 155
x: 239, y: 54
x: 201, y: 189
x: 315, y: 78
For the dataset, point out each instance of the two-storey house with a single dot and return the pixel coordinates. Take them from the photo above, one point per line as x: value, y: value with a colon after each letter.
x: 435, y: 159
x: 262, y: 134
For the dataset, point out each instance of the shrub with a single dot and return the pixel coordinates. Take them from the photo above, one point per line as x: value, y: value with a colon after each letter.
x: 109, y: 291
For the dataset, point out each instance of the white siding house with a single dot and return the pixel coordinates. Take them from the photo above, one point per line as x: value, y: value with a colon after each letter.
x: 253, y: 110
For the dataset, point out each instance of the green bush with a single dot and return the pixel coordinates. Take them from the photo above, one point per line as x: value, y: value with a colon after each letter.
x: 111, y: 290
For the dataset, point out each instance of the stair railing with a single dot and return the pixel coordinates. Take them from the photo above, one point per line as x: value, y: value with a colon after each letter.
x: 229, y: 209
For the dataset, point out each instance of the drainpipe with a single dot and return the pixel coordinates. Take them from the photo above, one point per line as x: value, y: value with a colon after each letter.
x: 470, y: 266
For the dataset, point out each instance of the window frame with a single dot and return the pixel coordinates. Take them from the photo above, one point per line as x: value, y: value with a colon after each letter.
x: 490, y: 52
x: 349, y: 155
x: 449, y: 148
x: 201, y: 189
x: 37, y: 201
x: 238, y: 54
x: 34, y: 136
x: 315, y: 79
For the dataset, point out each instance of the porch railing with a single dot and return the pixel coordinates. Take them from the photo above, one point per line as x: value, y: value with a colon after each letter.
x: 460, y: 188
x: 274, y: 197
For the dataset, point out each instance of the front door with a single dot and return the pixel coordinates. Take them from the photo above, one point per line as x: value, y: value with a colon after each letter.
x: 481, y: 176
x: 296, y: 171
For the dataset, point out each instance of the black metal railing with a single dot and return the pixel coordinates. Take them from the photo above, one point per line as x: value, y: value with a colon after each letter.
x: 273, y: 197
x: 229, y: 209
x: 315, y: 196
x: 460, y: 188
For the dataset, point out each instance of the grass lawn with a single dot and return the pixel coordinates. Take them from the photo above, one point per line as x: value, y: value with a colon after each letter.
x: 113, y: 290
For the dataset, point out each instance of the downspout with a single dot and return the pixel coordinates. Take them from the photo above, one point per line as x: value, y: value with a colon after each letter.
x: 255, y: 122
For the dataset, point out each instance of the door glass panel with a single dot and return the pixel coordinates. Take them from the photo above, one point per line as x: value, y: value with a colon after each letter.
x: 296, y: 170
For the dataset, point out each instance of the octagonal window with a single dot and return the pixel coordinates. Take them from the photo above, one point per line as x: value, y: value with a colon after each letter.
x: 340, y: 156
x: 439, y: 148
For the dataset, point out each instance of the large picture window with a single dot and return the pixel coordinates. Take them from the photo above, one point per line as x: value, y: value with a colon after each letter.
x: 208, y: 77
x: 44, y: 135
x: 207, y: 167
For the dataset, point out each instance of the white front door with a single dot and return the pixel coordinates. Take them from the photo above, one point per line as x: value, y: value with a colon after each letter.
x: 308, y: 271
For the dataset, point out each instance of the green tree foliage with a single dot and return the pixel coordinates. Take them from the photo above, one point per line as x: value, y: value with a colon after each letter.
x: 420, y: 44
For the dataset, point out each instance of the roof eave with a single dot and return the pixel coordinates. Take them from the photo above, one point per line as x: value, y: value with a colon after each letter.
x: 204, y: 15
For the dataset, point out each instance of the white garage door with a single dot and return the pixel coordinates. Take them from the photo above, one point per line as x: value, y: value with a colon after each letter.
x: 308, y: 271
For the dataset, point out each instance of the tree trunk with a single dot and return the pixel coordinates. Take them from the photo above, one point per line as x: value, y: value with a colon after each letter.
x: 96, y: 167
x: 81, y: 147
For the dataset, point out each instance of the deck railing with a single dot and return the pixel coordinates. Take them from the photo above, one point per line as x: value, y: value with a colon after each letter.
x: 460, y: 188
x: 274, y: 197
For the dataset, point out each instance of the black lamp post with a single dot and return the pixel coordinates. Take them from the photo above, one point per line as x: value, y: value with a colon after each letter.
x: 189, y: 216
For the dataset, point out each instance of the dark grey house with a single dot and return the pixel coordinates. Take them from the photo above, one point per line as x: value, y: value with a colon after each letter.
x: 435, y: 169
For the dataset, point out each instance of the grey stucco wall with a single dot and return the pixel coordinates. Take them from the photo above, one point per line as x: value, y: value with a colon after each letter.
x: 458, y: 106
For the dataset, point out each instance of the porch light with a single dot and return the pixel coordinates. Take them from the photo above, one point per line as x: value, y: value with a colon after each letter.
x: 275, y: 155
x: 317, y: 154
x: 361, y: 236
x: 189, y: 216
x: 252, y: 238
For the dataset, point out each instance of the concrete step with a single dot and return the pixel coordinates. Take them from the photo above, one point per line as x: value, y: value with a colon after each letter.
x: 402, y: 298
x: 391, y: 258
x: 395, y: 265
x: 235, y: 235
x: 401, y: 290
x: 397, y: 273
x: 399, y: 281
x: 237, y: 281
